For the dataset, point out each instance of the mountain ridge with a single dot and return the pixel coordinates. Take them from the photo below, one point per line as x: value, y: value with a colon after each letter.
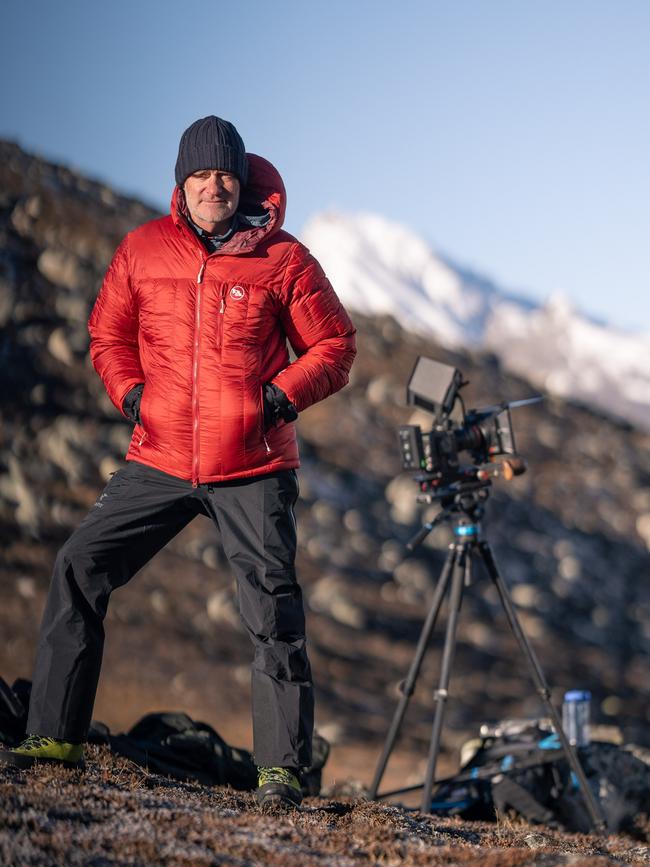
x: 381, y: 267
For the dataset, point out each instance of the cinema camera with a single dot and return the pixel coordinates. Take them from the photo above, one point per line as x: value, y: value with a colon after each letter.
x: 462, y: 490
x: 485, y: 433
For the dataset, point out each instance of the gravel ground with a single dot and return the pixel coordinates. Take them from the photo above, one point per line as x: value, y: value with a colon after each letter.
x: 117, y: 813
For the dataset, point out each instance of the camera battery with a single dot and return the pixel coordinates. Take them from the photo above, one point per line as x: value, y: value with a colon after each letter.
x: 410, y: 445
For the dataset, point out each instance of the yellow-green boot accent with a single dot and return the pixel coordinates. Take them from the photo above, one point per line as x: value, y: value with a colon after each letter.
x: 41, y: 749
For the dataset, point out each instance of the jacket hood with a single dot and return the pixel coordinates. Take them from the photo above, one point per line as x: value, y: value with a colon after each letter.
x: 264, y: 193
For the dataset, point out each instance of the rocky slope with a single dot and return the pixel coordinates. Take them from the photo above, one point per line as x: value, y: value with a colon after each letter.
x: 571, y: 535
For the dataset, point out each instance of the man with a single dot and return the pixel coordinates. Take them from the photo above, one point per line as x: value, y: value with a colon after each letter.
x: 189, y: 335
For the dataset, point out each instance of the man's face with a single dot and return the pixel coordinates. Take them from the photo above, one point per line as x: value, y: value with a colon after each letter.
x: 212, y: 198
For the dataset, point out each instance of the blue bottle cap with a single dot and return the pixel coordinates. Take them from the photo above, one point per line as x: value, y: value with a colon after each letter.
x: 577, y: 695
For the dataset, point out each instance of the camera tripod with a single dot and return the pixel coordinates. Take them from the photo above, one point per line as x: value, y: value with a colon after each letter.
x: 464, y: 510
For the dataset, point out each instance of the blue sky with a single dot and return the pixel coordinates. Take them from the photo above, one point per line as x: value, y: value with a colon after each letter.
x: 515, y: 136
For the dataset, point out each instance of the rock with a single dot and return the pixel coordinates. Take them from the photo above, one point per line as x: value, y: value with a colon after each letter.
x: 6, y: 301
x: 401, y: 493
x: 221, y: 608
x: 74, y: 309
x: 62, y: 269
x: 38, y: 395
x: 26, y: 587
x: 27, y: 511
x: 525, y: 595
x: 381, y: 390
x: 640, y: 854
x: 332, y: 731
x: 63, y: 444
x: 325, y: 514
x: 108, y: 466
x: 353, y: 520
x: 59, y: 347
x: 210, y: 556
x: 569, y: 568
x: 21, y: 219
x: 413, y: 575
x: 362, y: 544
x: 391, y: 554
x: 643, y: 528
x: 536, y: 841
x: 328, y: 596
x: 159, y: 602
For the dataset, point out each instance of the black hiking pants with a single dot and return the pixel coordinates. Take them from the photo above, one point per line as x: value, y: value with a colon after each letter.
x: 140, y: 510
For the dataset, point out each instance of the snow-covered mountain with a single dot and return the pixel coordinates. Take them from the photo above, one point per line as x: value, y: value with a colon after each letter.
x: 378, y: 266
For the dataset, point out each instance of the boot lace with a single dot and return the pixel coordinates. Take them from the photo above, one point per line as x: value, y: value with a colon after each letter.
x: 277, y: 775
x: 35, y: 742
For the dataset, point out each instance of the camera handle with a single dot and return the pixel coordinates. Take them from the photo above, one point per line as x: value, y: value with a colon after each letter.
x: 457, y: 572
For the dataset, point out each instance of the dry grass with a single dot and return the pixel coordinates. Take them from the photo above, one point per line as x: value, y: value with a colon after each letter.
x: 117, y: 813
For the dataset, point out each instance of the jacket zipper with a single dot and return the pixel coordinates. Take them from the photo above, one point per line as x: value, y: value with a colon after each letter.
x: 195, y: 375
x: 222, y: 310
x: 266, y: 442
x: 195, y: 378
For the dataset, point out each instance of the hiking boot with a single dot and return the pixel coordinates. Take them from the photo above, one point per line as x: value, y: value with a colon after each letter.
x: 41, y: 749
x: 278, y: 787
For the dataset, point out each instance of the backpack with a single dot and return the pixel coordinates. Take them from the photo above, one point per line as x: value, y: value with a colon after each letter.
x: 175, y: 745
x: 519, y: 766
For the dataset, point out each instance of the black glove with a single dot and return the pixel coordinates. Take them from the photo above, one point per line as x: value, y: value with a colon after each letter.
x: 131, y: 403
x: 277, y: 406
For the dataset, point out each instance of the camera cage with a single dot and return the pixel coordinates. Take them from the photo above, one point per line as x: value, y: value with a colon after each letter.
x: 486, y: 433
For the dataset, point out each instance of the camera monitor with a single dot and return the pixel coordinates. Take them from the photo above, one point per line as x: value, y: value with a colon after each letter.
x: 433, y: 386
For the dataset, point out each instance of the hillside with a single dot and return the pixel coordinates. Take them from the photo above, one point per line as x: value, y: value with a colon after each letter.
x: 571, y: 535
x: 118, y: 814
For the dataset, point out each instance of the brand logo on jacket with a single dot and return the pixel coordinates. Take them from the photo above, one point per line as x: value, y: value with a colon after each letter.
x: 237, y: 292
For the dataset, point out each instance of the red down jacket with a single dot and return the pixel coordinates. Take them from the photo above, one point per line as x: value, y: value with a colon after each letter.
x: 204, y: 332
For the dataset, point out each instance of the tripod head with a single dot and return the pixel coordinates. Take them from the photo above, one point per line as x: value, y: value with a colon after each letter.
x: 463, y: 500
x: 463, y: 506
x: 469, y: 478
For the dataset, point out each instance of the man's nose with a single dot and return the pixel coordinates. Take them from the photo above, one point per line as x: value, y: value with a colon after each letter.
x: 215, y: 182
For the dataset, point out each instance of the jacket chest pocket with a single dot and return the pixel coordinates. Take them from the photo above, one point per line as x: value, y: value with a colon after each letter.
x: 240, y: 311
x: 228, y: 311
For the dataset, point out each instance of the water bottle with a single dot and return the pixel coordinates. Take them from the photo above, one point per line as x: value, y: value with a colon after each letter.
x: 575, y: 716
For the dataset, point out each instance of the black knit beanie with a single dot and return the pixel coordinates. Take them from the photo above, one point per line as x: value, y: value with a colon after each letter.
x: 211, y: 143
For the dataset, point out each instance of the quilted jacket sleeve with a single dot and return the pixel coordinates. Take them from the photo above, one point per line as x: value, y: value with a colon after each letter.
x: 319, y: 330
x: 113, y: 327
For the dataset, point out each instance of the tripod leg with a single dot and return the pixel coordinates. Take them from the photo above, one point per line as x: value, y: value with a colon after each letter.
x: 408, y: 685
x: 593, y: 808
x: 440, y: 695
